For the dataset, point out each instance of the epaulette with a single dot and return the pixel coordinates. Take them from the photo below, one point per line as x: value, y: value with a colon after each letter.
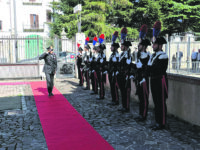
x: 143, y: 55
x: 117, y: 54
x: 163, y: 56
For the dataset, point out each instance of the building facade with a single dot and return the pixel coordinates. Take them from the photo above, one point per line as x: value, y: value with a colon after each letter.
x: 25, y: 17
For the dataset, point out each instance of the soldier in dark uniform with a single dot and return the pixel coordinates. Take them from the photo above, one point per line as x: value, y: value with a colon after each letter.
x: 93, y: 74
x: 142, y: 79
x: 123, y: 76
x: 87, y: 66
x: 100, y: 70
x: 158, y: 64
x: 50, y: 67
x: 79, y: 66
x: 113, y: 63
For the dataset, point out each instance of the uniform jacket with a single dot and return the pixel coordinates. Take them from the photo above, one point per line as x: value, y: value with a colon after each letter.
x: 50, y: 65
x: 86, y: 61
x: 142, y: 72
x: 100, y: 62
x: 158, y: 64
x: 124, y: 63
x: 113, y: 62
x: 92, y: 61
x: 124, y: 67
x: 79, y: 59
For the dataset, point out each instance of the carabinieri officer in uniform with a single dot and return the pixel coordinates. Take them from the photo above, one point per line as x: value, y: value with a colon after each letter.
x: 158, y: 64
x: 79, y: 66
x: 123, y: 76
x: 93, y: 74
x: 142, y: 77
x: 49, y: 69
x: 86, y: 63
x: 113, y: 63
x: 100, y: 67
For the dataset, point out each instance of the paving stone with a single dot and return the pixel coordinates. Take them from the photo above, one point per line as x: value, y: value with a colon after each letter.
x: 17, y: 130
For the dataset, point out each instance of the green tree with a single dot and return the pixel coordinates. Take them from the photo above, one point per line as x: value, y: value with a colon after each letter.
x: 179, y: 16
x: 145, y: 12
x: 107, y: 16
x: 96, y: 17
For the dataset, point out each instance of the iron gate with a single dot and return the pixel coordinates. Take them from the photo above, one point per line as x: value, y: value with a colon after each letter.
x: 66, y: 54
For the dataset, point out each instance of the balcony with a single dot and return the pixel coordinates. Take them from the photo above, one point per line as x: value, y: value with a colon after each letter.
x: 33, y: 28
x: 32, y: 2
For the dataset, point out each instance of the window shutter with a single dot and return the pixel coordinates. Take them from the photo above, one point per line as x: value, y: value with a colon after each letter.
x: 37, y: 21
x: 0, y: 25
x: 31, y: 21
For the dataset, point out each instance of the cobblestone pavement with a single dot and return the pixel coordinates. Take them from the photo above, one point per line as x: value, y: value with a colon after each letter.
x: 20, y: 129
x: 23, y: 131
x: 121, y: 130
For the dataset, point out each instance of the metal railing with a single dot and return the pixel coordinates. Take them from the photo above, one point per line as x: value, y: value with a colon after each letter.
x: 185, y: 68
x: 27, y: 50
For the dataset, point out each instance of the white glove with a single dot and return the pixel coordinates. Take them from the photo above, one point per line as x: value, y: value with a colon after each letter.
x: 105, y: 72
x: 143, y: 80
x: 113, y: 74
x: 128, y: 61
x: 117, y: 73
x: 131, y: 77
x: 93, y: 71
x: 114, y: 59
x: 139, y: 64
x: 101, y: 60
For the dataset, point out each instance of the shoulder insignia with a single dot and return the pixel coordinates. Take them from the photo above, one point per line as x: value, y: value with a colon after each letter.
x: 117, y: 54
x: 143, y: 55
x: 163, y: 56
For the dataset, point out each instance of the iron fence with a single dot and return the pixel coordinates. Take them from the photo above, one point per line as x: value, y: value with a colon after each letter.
x: 26, y: 50
x: 22, y: 49
x: 22, y: 55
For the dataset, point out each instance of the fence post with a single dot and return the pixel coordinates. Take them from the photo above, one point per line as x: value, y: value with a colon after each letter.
x: 38, y: 55
x: 167, y: 50
x: 188, y: 55
x: 177, y: 57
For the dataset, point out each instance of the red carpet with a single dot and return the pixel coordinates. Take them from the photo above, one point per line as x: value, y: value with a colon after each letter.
x: 64, y: 128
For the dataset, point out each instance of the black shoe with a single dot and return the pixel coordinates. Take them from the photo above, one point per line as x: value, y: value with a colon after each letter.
x: 80, y: 85
x: 92, y: 93
x: 142, y: 119
x: 116, y: 103
x: 152, y: 125
x: 123, y: 110
x: 137, y: 118
x: 50, y: 94
x: 126, y: 110
x: 112, y: 103
x: 158, y: 127
x: 99, y: 98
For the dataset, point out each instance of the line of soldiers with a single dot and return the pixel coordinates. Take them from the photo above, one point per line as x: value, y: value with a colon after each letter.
x: 121, y: 70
